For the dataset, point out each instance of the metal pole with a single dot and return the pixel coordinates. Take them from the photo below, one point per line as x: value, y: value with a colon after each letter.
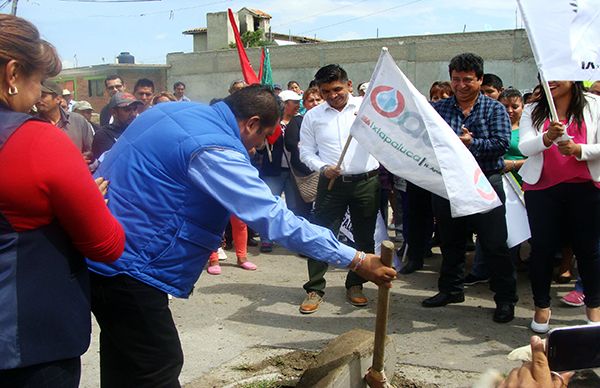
x: 14, y: 7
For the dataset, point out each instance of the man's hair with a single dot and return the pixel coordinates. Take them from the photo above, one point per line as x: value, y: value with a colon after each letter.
x: 492, y: 80
x: 467, y: 62
x: 112, y: 77
x: 178, y: 84
x: 255, y: 100
x: 143, y: 83
x: 330, y: 73
x: 510, y: 93
x: 290, y: 83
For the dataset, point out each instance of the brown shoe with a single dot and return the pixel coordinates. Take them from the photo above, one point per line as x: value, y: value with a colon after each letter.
x: 356, y: 296
x: 311, y: 303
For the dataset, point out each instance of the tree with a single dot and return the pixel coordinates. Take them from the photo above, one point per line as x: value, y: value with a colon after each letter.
x: 252, y: 39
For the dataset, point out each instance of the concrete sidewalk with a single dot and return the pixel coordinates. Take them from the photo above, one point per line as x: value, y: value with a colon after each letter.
x: 239, y: 317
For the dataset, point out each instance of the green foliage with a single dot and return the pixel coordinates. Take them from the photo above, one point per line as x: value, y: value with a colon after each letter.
x: 252, y: 39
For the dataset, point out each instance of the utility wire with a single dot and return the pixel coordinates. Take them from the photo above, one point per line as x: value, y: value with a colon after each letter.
x: 169, y: 11
x: 361, y: 17
x: 317, y: 14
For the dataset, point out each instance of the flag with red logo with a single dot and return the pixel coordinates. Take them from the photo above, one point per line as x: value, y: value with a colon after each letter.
x: 399, y: 127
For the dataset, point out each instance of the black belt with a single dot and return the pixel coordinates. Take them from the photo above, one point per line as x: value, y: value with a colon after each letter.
x: 359, y: 177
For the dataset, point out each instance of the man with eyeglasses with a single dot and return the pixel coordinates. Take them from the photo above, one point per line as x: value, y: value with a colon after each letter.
x: 113, y: 84
x: 123, y: 107
x: 144, y: 91
x: 483, y: 126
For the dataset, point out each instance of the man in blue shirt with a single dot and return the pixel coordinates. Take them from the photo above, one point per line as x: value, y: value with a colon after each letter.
x: 176, y: 175
x: 484, y: 128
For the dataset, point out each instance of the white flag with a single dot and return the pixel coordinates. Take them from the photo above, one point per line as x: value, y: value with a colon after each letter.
x: 379, y: 236
x: 565, y: 37
x: 399, y: 127
x: 517, y: 223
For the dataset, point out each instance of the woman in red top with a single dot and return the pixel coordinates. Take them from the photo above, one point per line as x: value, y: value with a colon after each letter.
x: 561, y: 182
x: 51, y: 216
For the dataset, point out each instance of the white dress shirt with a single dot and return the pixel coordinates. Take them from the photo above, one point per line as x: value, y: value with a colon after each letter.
x: 323, y: 135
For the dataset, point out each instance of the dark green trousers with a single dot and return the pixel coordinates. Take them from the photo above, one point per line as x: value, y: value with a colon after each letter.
x: 362, y: 198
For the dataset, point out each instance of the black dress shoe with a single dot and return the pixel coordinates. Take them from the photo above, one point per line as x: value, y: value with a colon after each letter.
x: 505, y: 312
x: 411, y: 267
x: 442, y: 299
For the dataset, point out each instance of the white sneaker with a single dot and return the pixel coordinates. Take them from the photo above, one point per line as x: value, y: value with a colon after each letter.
x: 222, y: 255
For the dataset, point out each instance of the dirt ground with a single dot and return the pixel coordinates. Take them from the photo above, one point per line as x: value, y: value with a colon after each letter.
x: 243, y: 328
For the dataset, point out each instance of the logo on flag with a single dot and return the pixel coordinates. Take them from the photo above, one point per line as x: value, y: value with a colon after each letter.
x: 387, y: 101
x: 399, y: 127
x: 485, y: 190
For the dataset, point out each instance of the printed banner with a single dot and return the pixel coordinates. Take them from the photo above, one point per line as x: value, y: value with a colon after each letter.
x: 400, y: 128
x: 564, y: 37
x: 379, y: 236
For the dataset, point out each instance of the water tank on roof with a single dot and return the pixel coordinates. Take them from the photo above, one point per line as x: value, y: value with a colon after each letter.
x: 125, y: 57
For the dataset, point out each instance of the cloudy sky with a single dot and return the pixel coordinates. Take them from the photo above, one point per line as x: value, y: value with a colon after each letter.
x: 89, y: 32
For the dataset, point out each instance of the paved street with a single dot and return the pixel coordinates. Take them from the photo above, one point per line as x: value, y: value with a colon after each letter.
x: 235, y: 316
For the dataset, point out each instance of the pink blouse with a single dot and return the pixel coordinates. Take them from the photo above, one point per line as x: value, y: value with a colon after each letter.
x: 559, y: 168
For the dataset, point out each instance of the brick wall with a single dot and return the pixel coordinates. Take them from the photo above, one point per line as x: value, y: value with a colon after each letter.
x: 129, y: 73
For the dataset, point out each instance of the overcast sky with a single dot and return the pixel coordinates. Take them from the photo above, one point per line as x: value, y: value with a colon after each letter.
x: 89, y: 33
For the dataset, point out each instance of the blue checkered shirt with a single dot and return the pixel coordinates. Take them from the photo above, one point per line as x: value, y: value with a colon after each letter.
x: 489, y: 125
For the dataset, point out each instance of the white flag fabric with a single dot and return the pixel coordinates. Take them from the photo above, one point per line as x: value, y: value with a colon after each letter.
x: 517, y: 223
x: 399, y: 127
x: 379, y: 236
x: 565, y: 37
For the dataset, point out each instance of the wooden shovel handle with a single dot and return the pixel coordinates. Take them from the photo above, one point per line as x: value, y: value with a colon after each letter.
x: 383, y: 298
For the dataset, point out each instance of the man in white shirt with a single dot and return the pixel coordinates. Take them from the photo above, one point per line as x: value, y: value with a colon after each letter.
x: 323, y: 135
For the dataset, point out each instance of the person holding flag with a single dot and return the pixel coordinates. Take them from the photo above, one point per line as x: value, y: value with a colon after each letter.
x: 324, y: 131
x: 483, y: 126
x: 562, y: 183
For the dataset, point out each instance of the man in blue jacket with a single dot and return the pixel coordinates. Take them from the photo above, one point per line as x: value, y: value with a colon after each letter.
x: 176, y: 174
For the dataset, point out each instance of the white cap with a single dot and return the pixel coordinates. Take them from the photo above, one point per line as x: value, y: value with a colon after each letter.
x: 287, y: 95
x: 66, y: 92
x: 364, y: 87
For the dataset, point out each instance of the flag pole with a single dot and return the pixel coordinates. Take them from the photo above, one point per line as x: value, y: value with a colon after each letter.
x: 339, y: 163
x: 548, y: 93
x: 536, y: 55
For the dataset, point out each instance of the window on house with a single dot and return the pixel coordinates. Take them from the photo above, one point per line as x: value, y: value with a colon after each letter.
x: 96, y: 87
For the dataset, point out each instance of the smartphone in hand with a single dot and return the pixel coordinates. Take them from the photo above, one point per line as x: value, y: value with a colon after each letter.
x: 573, y: 348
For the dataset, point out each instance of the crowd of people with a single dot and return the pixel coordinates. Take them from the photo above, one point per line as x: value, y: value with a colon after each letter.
x: 181, y: 171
